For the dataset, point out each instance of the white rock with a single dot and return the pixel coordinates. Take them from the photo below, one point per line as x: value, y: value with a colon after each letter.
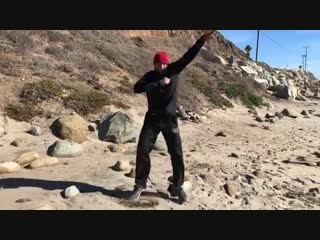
x: 71, y: 192
x: 9, y: 167
x: 36, y: 130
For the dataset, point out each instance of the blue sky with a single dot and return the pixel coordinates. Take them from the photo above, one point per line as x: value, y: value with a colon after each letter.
x: 280, y: 48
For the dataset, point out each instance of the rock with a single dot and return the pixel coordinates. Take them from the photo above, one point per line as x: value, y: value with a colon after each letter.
x: 117, y: 128
x: 311, y: 111
x: 314, y: 190
x: 233, y: 155
x: 231, y: 189
x: 290, y: 113
x: 304, y: 112
x: 318, y: 164
x: 187, y: 186
x: 277, y: 186
x: 131, y: 174
x: 182, y: 113
x: 71, y: 127
x: 27, y: 158
x: 9, y: 167
x: 18, y: 142
x: 220, y: 134
x: 247, y: 71
x: 258, y: 174
x: 36, y: 130
x: 308, y: 93
x: 91, y: 128
x: 273, y: 120
x: 259, y: 119
x: 279, y: 115
x: 283, y: 92
x: 3, y: 123
x: 45, y: 162
x: 23, y: 200
x: 121, y: 166
x: 268, y: 116
x: 317, y: 154
x: 65, y: 149
x: 159, y: 146
x: 115, y: 148
x: 211, y: 57
x: 71, y: 192
x: 262, y: 82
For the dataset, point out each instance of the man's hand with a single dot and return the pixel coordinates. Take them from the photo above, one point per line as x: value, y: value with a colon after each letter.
x: 209, y: 35
x: 165, y: 81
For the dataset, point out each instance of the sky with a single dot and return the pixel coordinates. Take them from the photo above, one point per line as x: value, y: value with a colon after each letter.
x: 280, y: 48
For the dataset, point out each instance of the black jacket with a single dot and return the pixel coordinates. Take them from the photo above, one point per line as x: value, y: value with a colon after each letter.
x: 163, y: 100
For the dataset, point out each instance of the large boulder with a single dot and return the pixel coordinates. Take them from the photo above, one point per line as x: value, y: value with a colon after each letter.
x: 72, y: 127
x: 3, y: 123
x: 283, y: 92
x: 211, y: 57
x: 263, y: 82
x: 248, y: 71
x: 117, y: 128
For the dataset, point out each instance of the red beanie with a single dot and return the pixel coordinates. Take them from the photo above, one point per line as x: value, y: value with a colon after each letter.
x: 161, y: 57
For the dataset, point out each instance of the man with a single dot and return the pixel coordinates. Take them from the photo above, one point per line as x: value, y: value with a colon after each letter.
x: 160, y: 86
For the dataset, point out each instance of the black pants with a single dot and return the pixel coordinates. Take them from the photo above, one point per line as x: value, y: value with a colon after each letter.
x: 153, y: 125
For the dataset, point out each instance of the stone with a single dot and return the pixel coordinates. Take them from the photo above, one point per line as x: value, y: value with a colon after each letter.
x: 221, y: 134
x: 268, y: 116
x: 91, y: 128
x: 182, y: 113
x: 231, y: 189
x: 117, y: 128
x: 71, y: 192
x: 131, y: 174
x: 70, y: 127
x: 27, y: 158
x: 121, y: 166
x: 259, y: 119
x: 187, y: 186
x: 18, y: 142
x: 45, y: 162
x: 279, y: 115
x: 258, y: 174
x: 9, y: 167
x: 290, y: 113
x: 23, y: 200
x: 248, y: 71
x: 234, y: 155
x: 159, y: 146
x: 65, y: 149
x: 36, y: 130
x: 115, y: 148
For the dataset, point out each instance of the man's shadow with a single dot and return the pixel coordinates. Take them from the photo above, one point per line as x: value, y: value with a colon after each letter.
x: 14, y: 183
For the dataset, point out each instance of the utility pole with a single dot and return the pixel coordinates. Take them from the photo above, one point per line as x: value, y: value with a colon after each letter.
x: 306, y: 57
x: 302, y: 61
x: 258, y: 35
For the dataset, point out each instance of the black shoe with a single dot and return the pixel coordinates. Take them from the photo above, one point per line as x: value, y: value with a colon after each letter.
x: 178, y: 192
x: 135, y: 195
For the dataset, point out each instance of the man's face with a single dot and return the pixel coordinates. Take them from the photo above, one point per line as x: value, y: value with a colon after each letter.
x: 160, y: 67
